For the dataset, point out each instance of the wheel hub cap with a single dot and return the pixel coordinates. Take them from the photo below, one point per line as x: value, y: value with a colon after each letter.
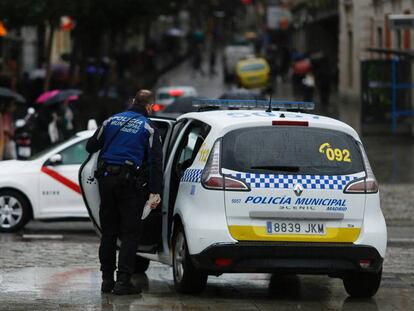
x: 179, y: 255
x: 11, y: 211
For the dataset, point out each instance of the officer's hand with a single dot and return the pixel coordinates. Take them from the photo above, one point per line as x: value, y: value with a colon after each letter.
x: 154, y: 199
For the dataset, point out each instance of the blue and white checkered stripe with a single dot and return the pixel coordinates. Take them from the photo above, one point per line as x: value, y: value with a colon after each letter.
x: 192, y: 175
x: 328, y: 182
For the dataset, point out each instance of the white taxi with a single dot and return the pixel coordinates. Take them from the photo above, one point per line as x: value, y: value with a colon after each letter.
x: 44, y: 186
x: 262, y: 191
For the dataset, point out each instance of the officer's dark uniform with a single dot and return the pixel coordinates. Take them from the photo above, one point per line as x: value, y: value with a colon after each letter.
x: 130, y: 168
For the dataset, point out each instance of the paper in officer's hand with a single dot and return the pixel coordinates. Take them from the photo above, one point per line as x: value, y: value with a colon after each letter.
x: 147, y: 208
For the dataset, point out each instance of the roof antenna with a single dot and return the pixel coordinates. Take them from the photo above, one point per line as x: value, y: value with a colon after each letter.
x: 269, y: 109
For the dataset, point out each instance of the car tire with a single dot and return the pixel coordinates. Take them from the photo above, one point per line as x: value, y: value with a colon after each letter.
x: 187, y: 279
x: 141, y: 264
x: 363, y: 284
x: 14, y: 211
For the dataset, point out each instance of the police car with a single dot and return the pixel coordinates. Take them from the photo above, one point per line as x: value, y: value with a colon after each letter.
x: 261, y: 191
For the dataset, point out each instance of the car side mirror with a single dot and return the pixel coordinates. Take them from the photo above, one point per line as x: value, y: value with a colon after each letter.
x: 55, y: 159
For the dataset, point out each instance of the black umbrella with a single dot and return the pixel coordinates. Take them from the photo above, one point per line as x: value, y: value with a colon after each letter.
x: 9, y: 94
x: 63, y: 95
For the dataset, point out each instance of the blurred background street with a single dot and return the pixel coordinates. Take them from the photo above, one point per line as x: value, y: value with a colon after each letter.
x: 339, y: 54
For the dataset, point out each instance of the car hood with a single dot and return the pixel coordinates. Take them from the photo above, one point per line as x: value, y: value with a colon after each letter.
x: 14, y: 167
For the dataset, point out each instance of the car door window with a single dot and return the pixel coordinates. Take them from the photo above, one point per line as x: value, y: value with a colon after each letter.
x: 189, y: 145
x: 184, y: 156
x: 175, y: 133
x: 75, y: 154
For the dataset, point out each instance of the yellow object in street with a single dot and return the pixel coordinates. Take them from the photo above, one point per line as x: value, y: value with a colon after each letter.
x: 253, y: 73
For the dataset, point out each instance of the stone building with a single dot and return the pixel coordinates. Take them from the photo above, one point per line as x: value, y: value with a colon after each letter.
x: 363, y: 28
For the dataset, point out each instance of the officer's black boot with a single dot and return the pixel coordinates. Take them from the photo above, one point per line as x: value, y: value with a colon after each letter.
x: 123, y: 285
x: 108, y: 282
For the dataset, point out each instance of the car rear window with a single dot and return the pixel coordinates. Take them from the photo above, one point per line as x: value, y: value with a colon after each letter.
x: 252, y: 67
x: 164, y: 96
x: 291, y: 150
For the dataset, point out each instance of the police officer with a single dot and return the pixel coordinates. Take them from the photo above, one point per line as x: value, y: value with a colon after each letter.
x: 129, y: 171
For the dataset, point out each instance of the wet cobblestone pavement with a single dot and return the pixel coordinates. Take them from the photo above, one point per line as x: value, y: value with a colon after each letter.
x: 64, y: 275
x: 77, y: 288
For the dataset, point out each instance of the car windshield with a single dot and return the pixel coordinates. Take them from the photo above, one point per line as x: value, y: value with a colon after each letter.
x: 291, y: 150
x: 252, y: 67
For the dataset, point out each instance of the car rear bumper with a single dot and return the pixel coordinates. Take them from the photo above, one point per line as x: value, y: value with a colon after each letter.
x: 304, y: 258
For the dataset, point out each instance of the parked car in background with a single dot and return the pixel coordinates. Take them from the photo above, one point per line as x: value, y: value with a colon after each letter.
x: 240, y: 93
x: 233, y: 53
x: 180, y: 106
x: 45, y: 186
x: 253, y: 73
x: 165, y: 96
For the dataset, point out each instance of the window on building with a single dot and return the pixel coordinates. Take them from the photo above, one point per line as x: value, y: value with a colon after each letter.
x: 398, y: 39
x: 380, y: 37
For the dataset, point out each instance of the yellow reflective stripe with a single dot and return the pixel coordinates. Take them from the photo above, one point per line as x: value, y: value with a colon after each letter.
x: 251, y: 233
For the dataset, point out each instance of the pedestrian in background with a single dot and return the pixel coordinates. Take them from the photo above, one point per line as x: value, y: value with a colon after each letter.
x: 129, y: 172
x: 212, y: 61
x: 8, y: 131
x: 198, y: 60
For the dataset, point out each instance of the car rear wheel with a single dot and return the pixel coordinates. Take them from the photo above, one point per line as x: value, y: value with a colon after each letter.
x: 187, y: 279
x: 141, y: 264
x: 363, y: 284
x: 14, y: 211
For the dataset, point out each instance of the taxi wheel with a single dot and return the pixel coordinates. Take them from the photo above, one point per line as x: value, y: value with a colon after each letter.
x: 14, y: 211
x: 187, y: 279
x: 363, y: 284
x: 141, y: 264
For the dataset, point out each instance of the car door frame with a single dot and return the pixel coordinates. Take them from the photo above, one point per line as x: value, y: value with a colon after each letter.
x: 48, y: 169
x: 167, y: 138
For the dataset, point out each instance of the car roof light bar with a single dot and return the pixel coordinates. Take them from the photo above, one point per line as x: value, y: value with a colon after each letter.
x: 251, y: 104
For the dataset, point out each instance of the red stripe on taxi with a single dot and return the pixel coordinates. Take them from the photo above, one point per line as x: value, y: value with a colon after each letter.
x: 62, y: 179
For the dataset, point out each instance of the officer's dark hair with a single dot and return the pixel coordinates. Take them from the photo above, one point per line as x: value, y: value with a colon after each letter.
x: 143, y: 98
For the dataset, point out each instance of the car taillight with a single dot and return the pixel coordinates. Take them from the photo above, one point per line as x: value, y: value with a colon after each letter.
x: 176, y: 92
x: 23, y: 142
x: 158, y: 107
x: 213, y: 179
x: 367, y: 184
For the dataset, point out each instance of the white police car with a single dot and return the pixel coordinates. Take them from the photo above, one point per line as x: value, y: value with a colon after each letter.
x: 257, y: 191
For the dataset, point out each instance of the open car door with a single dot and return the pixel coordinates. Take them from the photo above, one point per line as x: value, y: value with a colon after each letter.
x: 152, y: 225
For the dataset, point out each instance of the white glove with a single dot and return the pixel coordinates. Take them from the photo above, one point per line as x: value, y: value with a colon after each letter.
x: 153, y: 199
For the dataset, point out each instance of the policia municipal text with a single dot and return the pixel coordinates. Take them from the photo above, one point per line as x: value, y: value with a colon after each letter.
x: 129, y: 171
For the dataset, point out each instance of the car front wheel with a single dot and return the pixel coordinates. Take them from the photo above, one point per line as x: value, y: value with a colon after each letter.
x: 187, y: 279
x: 363, y: 284
x: 14, y: 211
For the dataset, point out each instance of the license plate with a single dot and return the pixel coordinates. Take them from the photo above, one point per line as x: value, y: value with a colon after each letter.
x: 295, y: 227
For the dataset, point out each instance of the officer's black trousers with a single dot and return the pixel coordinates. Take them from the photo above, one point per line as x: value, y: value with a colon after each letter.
x: 120, y: 216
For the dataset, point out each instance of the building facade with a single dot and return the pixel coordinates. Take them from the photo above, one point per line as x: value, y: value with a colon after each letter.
x: 364, y: 27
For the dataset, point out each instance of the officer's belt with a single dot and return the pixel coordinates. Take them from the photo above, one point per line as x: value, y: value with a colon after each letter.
x: 113, y: 169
